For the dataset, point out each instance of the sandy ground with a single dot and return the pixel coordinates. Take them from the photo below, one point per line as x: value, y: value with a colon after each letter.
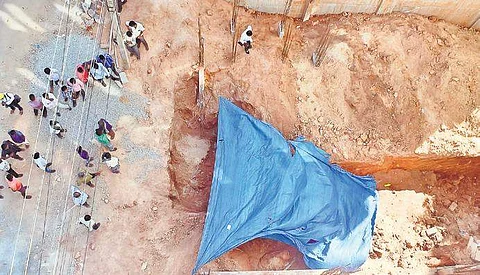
x: 392, y: 85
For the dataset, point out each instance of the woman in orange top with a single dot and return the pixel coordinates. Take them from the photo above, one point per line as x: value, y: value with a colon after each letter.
x: 16, y: 186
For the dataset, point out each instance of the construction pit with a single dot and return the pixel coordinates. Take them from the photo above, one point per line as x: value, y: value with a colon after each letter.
x: 386, y: 101
x: 396, y: 96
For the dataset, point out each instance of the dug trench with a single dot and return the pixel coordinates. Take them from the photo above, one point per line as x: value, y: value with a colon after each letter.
x: 428, y: 206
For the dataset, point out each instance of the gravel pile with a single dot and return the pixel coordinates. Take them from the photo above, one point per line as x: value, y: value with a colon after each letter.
x: 80, y: 131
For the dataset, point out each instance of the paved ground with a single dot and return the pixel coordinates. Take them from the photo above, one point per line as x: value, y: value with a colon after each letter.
x: 34, y: 242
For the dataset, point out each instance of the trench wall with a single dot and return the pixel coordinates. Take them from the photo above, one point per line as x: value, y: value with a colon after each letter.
x: 462, y: 12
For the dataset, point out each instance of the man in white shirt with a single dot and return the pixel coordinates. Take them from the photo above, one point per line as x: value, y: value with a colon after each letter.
x: 112, y: 162
x: 89, y: 222
x: 137, y: 30
x: 131, y: 44
x: 246, y: 39
x: 99, y: 72
x: 53, y: 77
x: 6, y: 167
x: 42, y: 163
x: 11, y: 101
x: 50, y: 102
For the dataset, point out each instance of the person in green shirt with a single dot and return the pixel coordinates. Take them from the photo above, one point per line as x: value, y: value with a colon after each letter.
x: 104, y: 140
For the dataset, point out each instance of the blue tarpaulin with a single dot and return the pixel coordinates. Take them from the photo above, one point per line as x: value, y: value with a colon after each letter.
x: 265, y: 186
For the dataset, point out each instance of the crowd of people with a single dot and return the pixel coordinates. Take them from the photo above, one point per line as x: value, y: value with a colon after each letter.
x: 18, y: 143
x: 70, y: 90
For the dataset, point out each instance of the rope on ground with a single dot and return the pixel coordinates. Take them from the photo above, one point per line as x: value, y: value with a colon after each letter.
x: 51, y: 144
x: 53, y: 152
x: 99, y: 33
x: 98, y: 164
x: 35, y: 147
x: 95, y: 45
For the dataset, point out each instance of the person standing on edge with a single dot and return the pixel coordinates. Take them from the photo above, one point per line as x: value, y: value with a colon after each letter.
x: 19, y: 138
x: 10, y: 150
x: 84, y: 155
x: 112, y: 162
x: 77, y: 87
x: 137, y: 30
x: 106, y: 128
x: 17, y: 186
x: 89, y: 222
x: 37, y: 104
x: 6, y: 167
x: 246, y: 39
x: 42, y: 163
x: 53, y: 77
x: 131, y: 44
x: 11, y: 101
x: 57, y: 129
x: 86, y: 178
x: 104, y: 140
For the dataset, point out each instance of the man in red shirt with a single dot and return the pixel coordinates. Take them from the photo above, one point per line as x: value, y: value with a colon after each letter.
x: 16, y: 186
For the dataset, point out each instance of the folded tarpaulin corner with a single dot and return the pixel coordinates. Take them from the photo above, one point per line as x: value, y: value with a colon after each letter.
x: 262, y: 188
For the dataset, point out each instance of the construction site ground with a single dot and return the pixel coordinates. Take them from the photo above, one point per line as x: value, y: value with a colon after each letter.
x: 397, y: 96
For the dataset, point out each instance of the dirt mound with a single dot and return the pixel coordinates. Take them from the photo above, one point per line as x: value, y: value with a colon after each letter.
x: 386, y: 85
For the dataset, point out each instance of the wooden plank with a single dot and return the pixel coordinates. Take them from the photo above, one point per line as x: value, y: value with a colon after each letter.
x: 307, y: 10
